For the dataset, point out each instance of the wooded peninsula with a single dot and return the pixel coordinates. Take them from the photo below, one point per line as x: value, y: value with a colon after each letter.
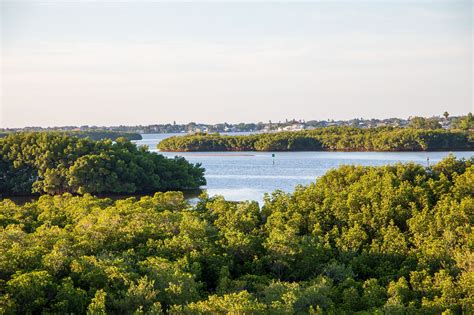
x: 328, y: 139
x: 55, y: 163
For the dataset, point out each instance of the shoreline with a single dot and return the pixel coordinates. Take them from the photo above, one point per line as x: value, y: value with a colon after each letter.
x: 282, y: 151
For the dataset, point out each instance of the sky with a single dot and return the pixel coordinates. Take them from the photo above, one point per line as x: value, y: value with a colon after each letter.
x: 145, y: 62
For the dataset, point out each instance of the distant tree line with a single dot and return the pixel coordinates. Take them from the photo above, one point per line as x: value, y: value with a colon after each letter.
x: 55, y: 163
x: 360, y: 240
x: 330, y: 139
x: 94, y: 134
x: 456, y: 123
x: 465, y: 122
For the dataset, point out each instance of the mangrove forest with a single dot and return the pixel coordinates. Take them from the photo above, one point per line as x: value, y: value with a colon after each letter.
x: 360, y: 240
x: 328, y: 139
x: 55, y: 163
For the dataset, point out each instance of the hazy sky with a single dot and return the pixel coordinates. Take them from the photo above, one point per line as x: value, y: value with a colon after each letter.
x: 143, y: 62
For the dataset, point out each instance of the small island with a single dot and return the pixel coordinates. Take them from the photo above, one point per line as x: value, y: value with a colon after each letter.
x: 328, y: 139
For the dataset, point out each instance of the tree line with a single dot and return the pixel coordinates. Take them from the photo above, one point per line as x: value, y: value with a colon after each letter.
x: 328, y: 139
x: 93, y: 134
x: 55, y: 163
x: 380, y: 240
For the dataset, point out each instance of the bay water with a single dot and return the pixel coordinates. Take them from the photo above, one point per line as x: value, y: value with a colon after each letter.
x: 249, y: 175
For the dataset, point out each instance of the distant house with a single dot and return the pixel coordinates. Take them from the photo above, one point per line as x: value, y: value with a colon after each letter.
x: 446, y: 124
x: 294, y: 127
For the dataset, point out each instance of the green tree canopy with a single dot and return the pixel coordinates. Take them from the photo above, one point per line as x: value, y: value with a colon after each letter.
x: 55, y: 163
x: 424, y: 135
x: 370, y: 240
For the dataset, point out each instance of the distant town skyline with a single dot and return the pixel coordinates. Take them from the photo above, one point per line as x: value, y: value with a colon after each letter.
x: 441, y: 121
x: 141, y: 63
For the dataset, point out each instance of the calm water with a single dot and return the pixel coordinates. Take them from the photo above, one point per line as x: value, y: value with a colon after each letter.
x: 248, y: 175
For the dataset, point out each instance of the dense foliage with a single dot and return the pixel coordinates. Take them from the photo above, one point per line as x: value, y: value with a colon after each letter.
x: 95, y: 134
x: 425, y: 123
x: 464, y: 122
x: 55, y: 163
x: 331, y: 138
x: 387, y: 240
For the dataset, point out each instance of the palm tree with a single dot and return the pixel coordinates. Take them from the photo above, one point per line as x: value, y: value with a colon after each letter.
x: 446, y: 115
